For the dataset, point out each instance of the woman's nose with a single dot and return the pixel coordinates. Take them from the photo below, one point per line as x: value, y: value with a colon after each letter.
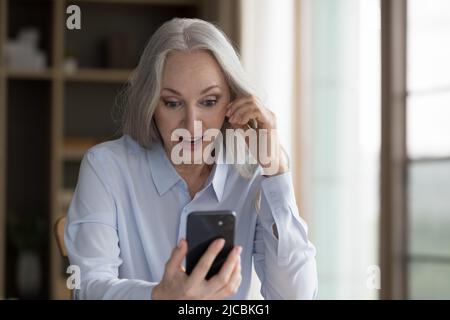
x: 191, y: 116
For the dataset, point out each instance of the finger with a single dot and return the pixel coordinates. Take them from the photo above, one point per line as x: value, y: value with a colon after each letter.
x: 204, y: 264
x: 236, y: 104
x: 245, y: 116
x: 222, y: 278
x: 247, y: 107
x: 233, y: 284
x: 176, y: 258
x: 238, y: 126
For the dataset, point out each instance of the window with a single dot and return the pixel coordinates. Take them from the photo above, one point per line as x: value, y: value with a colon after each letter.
x: 428, y: 148
x: 340, y: 121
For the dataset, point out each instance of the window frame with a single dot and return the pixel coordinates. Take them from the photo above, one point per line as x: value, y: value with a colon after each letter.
x: 393, y: 186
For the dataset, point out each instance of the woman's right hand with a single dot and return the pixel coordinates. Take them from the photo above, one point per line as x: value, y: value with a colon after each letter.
x: 176, y: 284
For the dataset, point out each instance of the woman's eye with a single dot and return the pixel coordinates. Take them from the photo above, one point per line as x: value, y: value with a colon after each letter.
x: 172, y: 104
x: 209, y: 102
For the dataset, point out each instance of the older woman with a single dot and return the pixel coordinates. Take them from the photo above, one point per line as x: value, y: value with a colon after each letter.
x: 127, y: 220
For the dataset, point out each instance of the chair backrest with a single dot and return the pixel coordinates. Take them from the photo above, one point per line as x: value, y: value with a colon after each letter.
x: 58, y: 229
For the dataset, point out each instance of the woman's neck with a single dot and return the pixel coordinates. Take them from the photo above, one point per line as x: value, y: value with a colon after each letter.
x: 195, y: 175
x: 192, y: 170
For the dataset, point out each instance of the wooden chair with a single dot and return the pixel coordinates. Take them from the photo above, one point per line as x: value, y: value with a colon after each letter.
x: 58, y: 229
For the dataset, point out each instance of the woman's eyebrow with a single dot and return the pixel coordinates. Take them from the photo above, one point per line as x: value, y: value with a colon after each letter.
x: 209, y: 88
x: 203, y: 91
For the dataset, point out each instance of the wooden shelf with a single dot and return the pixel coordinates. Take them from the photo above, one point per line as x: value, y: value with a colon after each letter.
x: 98, y: 75
x: 45, y: 74
x: 81, y: 75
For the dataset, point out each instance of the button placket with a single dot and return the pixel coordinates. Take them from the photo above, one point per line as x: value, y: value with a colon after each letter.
x: 184, y: 212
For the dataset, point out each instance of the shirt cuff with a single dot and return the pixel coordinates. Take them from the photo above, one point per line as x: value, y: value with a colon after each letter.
x: 278, y: 190
x: 280, y: 195
x: 280, y: 208
x: 151, y: 290
x: 143, y: 290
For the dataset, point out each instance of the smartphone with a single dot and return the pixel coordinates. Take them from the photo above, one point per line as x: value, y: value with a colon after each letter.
x: 202, y: 228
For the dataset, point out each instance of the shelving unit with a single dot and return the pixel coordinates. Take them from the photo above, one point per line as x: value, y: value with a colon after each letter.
x: 26, y: 75
x: 93, y: 75
x: 50, y: 117
x: 3, y: 139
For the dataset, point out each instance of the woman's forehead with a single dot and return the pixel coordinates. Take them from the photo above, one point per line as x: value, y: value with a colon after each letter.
x: 197, y: 69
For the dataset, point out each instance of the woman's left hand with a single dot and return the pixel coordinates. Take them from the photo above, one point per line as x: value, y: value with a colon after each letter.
x: 240, y: 112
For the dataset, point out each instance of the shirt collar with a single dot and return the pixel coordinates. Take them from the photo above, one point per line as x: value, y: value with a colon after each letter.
x: 165, y: 176
x: 163, y: 173
x: 218, y: 178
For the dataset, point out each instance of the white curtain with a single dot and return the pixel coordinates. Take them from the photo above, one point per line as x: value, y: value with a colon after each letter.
x: 340, y: 125
x: 337, y: 127
x: 267, y: 52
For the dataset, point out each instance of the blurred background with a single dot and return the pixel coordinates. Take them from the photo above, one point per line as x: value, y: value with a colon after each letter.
x: 361, y: 89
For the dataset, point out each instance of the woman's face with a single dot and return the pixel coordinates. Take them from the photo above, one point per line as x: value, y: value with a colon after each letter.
x: 193, y: 89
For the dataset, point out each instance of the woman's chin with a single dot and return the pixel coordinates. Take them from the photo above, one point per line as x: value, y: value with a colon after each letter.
x: 192, y: 153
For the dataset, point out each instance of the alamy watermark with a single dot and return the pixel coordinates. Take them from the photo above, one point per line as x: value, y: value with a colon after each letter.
x: 73, y: 21
x: 74, y: 280
x: 373, y: 280
x: 249, y: 146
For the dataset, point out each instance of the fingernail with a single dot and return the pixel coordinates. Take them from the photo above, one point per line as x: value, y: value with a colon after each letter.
x: 180, y: 243
x: 239, y: 250
x: 220, y: 242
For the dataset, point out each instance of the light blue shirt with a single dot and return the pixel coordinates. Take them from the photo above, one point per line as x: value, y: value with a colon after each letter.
x: 129, y: 211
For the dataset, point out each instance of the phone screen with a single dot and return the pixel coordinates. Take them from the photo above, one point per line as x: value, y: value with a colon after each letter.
x: 202, y: 229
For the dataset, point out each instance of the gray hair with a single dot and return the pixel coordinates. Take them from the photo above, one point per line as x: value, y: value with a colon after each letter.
x: 143, y: 89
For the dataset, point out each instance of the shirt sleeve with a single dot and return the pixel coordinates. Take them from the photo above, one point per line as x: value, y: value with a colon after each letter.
x: 92, y: 241
x: 284, y: 257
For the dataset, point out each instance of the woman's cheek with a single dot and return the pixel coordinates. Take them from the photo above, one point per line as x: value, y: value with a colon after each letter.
x: 164, y: 128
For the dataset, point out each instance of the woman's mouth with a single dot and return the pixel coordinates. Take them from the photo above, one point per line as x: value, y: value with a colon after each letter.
x: 191, y: 143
